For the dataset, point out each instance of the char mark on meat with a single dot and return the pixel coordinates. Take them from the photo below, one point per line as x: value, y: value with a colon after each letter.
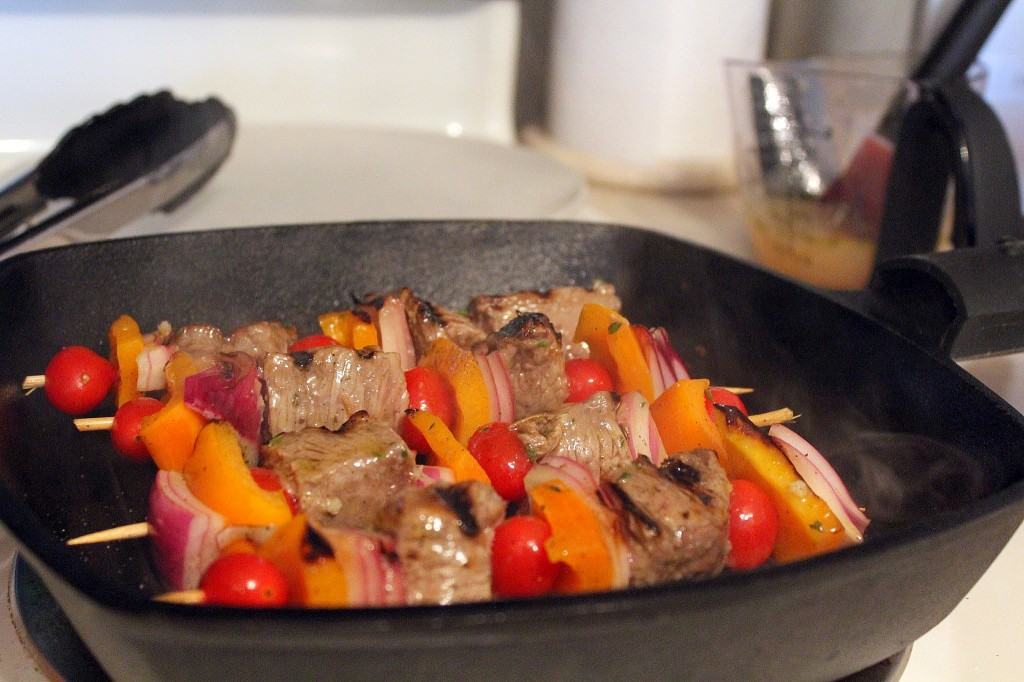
x: 586, y: 432
x: 562, y: 305
x: 531, y: 351
x: 429, y: 322
x: 344, y: 478
x: 445, y: 557
x: 335, y: 383
x: 677, y: 528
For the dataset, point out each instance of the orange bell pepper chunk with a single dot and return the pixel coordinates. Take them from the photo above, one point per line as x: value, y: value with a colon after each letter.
x: 807, y: 526
x: 682, y: 418
x: 579, y: 539
x: 613, y: 344
x: 459, y: 367
x: 446, y: 451
x: 317, y: 582
x: 126, y: 343
x: 217, y: 474
x: 349, y: 329
x: 170, y: 434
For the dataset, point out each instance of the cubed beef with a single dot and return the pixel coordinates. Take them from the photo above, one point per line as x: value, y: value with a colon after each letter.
x: 586, y: 432
x: 429, y: 322
x: 562, y: 305
x: 676, y: 518
x: 343, y: 478
x: 531, y: 350
x: 325, y: 386
x: 443, y: 540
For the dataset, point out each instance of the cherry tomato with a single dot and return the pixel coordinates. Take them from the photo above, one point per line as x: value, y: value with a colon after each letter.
x: 753, y: 525
x: 311, y: 342
x: 269, y: 480
x: 77, y: 380
x: 244, y: 579
x: 428, y: 391
x: 519, y: 562
x: 503, y: 458
x: 720, y: 396
x: 127, y: 421
x: 586, y: 377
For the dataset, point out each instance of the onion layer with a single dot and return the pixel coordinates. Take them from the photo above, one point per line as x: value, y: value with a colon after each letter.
x: 822, y: 479
x: 634, y: 416
x: 394, y: 332
x: 499, y: 386
x: 184, y: 531
x: 372, y: 579
x: 151, y: 362
x: 428, y: 475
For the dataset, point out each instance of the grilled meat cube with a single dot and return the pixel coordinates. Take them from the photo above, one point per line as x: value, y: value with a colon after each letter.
x: 343, y: 478
x: 562, y: 305
x: 325, y: 386
x: 204, y: 342
x: 429, y: 322
x: 586, y: 432
x: 676, y: 518
x: 443, y: 540
x: 531, y: 350
x: 260, y: 338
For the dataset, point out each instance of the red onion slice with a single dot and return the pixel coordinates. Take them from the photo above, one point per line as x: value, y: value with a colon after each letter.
x: 151, y: 362
x: 372, y: 580
x: 184, y: 532
x: 643, y: 337
x: 669, y: 355
x: 576, y: 473
x: 822, y: 479
x: 394, y: 332
x: 657, y: 445
x: 492, y: 391
x: 428, y: 475
x: 502, y: 387
x: 634, y: 416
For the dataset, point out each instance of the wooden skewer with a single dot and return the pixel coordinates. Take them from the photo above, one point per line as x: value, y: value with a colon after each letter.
x: 182, y: 597
x: 738, y: 390
x: 774, y: 417
x: 129, y: 532
x: 94, y: 423
x: 33, y: 381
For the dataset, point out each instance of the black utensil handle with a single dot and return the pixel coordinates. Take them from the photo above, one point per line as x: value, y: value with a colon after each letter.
x: 950, y: 131
x: 964, y: 302
x: 960, y: 41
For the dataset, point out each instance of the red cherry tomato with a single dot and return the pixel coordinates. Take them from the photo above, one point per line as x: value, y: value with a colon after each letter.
x: 720, y: 396
x: 269, y: 480
x: 244, y: 579
x: 503, y: 458
x: 77, y: 380
x: 127, y: 421
x: 428, y: 391
x: 311, y: 342
x: 753, y: 525
x: 519, y: 562
x: 586, y: 377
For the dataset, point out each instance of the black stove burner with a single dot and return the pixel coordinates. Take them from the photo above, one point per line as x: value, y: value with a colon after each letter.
x: 58, y: 643
x: 49, y: 629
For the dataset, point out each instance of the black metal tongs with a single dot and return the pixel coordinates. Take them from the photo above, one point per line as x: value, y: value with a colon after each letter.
x: 149, y: 154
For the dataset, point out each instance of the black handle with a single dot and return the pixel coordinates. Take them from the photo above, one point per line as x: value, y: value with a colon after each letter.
x: 960, y: 41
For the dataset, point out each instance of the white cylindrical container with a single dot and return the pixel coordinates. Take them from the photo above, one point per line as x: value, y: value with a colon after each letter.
x: 637, y: 90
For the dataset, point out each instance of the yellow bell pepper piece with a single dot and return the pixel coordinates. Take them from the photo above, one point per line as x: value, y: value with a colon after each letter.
x: 459, y: 367
x: 217, y: 474
x: 577, y: 538
x: 682, y: 418
x: 319, y: 582
x: 170, y: 434
x: 349, y: 329
x: 125, y: 340
x: 613, y: 344
x: 807, y: 525
x: 446, y: 450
